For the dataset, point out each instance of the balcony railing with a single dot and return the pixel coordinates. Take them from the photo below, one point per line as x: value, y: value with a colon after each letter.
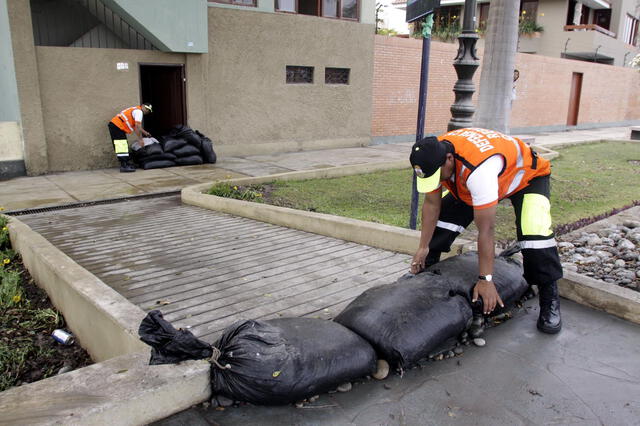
x: 589, y: 27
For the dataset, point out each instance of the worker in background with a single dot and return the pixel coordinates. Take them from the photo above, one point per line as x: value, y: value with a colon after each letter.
x: 125, y: 122
x: 480, y: 167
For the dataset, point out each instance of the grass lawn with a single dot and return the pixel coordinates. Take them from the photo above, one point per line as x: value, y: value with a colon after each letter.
x: 587, y: 180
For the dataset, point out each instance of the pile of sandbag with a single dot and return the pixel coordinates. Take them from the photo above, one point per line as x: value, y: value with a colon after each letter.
x: 290, y: 359
x: 182, y: 146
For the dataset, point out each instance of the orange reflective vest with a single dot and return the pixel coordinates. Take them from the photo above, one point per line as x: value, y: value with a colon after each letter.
x: 124, y: 119
x: 474, y: 146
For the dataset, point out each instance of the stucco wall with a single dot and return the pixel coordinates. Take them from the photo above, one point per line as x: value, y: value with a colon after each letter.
x: 609, y: 94
x: 26, y: 72
x: 81, y: 90
x: 249, y: 103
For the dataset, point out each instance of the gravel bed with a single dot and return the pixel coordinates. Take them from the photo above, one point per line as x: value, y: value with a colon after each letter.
x: 610, y: 254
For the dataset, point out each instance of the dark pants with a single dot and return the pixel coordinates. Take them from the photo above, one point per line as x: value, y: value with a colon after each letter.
x: 120, y: 144
x: 533, y: 222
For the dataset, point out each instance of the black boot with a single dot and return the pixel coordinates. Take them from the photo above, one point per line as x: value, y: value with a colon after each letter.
x: 125, y: 166
x: 549, y: 320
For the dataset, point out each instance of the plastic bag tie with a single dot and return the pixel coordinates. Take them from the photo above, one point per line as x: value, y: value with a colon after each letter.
x: 214, y: 359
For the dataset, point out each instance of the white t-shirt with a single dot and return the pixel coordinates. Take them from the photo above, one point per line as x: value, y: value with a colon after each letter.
x: 137, y: 115
x: 483, y: 181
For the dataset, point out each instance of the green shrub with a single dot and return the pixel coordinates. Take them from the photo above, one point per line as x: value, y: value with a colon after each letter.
x: 4, y: 233
x: 246, y: 193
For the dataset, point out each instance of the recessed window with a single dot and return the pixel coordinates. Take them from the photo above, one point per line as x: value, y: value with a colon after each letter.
x: 339, y: 9
x: 630, y: 32
x: 299, y: 75
x: 238, y: 2
x: 336, y: 75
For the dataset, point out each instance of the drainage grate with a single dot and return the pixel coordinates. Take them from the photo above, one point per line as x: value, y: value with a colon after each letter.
x: 24, y: 212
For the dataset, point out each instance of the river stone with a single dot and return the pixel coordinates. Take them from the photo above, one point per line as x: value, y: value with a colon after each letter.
x: 619, y: 263
x: 479, y: 341
x: 223, y: 401
x: 565, y: 245
x: 594, y: 240
x: 608, y: 242
x: 345, y: 387
x: 626, y: 244
x: 576, y: 258
x: 590, y: 260
x: 569, y: 266
x: 603, y: 254
x: 458, y: 350
x: 628, y: 275
x: 630, y: 256
x: 382, y: 370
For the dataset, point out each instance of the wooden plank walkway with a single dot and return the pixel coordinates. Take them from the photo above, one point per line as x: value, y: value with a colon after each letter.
x: 205, y: 270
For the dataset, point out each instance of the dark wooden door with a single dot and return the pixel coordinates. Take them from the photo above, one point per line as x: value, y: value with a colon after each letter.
x: 574, y: 99
x: 164, y: 87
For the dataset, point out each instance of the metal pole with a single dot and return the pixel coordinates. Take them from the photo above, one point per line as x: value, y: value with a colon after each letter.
x: 465, y: 64
x: 422, y: 111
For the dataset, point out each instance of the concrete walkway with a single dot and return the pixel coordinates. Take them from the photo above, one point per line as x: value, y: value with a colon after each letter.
x: 72, y: 187
x: 589, y: 374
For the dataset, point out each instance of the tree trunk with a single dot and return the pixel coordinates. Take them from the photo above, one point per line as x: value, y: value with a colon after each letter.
x: 498, y: 63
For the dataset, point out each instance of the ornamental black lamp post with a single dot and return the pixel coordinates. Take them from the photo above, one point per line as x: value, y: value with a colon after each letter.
x: 465, y: 64
x: 417, y: 9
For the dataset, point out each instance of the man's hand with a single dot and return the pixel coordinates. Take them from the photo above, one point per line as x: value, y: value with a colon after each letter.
x: 145, y: 133
x: 141, y: 142
x: 490, y: 297
x: 417, y: 264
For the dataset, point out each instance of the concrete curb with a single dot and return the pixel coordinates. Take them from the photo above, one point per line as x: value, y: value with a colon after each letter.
x: 372, y: 234
x: 103, y: 321
x: 610, y: 298
x: 121, y: 391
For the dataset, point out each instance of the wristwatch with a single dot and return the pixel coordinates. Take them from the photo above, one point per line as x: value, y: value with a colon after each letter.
x: 488, y: 277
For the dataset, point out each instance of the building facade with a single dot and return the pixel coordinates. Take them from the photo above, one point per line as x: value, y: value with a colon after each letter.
x: 256, y: 76
x: 603, y: 31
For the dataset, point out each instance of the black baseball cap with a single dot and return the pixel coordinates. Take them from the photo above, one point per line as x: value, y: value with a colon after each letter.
x: 427, y: 157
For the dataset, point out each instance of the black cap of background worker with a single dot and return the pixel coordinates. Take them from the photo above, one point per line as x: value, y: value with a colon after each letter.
x: 427, y: 157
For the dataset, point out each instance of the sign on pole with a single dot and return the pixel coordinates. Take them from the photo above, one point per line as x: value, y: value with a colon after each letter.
x: 416, y: 9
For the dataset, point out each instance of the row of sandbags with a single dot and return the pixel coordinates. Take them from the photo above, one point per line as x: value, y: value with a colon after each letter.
x: 290, y: 359
x: 181, y: 147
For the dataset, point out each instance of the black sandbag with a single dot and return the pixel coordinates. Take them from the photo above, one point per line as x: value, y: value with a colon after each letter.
x: 407, y: 320
x: 186, y: 151
x: 158, y: 164
x: 171, y: 144
x: 179, y: 130
x: 208, y: 154
x: 288, y: 359
x: 168, y: 345
x: 191, y: 160
x: 462, y: 273
x: 163, y: 156
x: 147, y: 151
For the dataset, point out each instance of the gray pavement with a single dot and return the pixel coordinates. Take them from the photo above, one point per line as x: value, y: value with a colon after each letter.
x: 589, y: 374
x: 72, y: 187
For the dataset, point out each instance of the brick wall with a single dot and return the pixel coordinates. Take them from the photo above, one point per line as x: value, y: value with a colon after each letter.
x: 609, y: 94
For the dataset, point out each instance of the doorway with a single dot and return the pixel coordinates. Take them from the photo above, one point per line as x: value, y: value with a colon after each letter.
x: 574, y: 99
x: 164, y: 87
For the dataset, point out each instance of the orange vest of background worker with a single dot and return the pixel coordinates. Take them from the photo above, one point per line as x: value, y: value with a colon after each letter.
x: 125, y: 122
x: 480, y: 167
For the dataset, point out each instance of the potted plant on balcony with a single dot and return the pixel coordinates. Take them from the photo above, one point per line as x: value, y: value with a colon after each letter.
x: 528, y: 26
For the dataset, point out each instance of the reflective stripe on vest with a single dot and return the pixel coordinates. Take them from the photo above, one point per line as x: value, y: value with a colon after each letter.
x: 473, y: 146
